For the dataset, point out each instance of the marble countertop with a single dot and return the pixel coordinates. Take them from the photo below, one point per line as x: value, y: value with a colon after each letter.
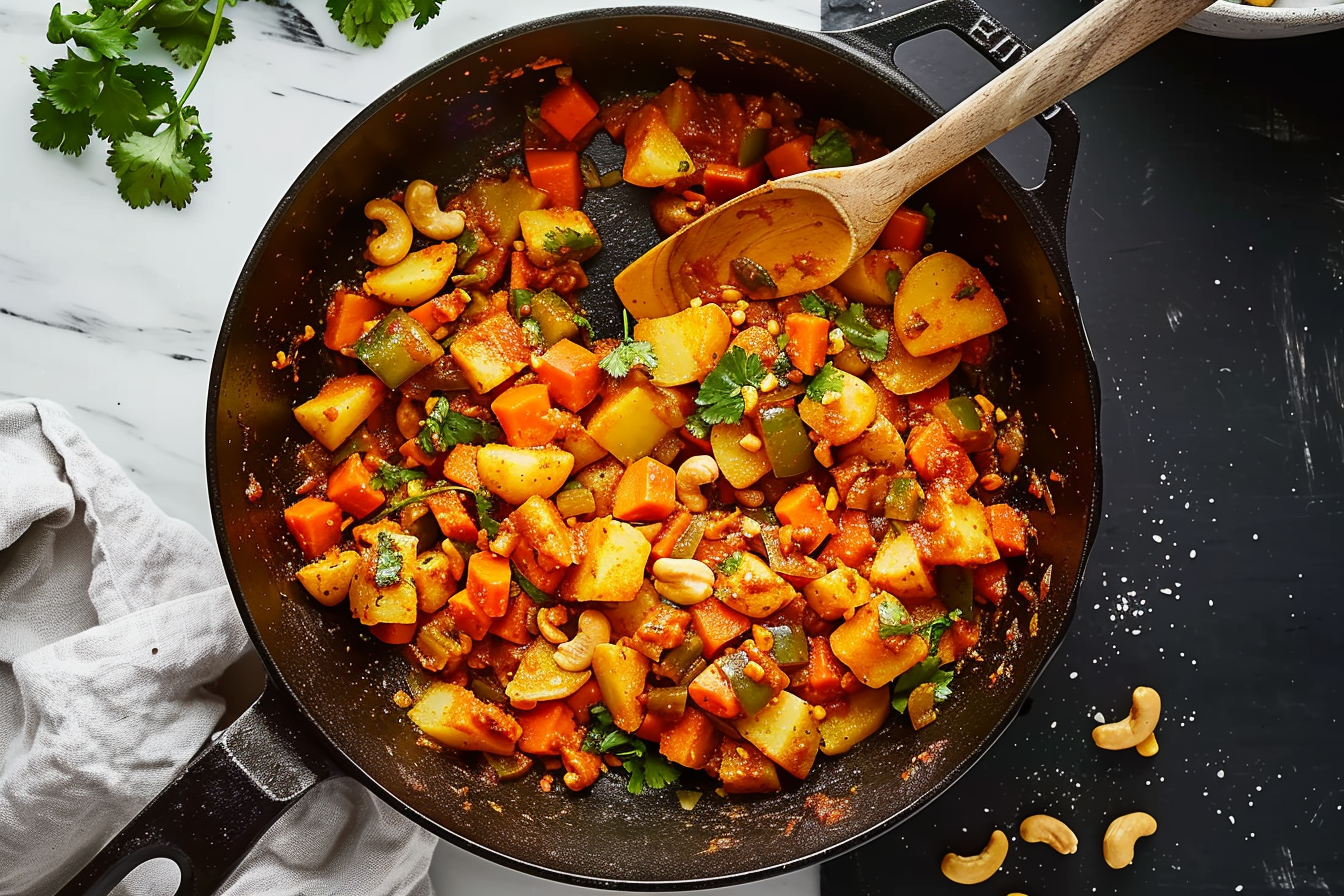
x: 114, y: 312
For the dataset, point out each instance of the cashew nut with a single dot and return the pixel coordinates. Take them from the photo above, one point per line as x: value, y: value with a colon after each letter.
x: 576, y: 654
x: 394, y: 242
x: 1132, y: 731
x: 549, y: 620
x: 693, y: 473
x: 683, y: 582
x: 979, y: 868
x: 1118, y: 844
x: 1148, y: 747
x: 1047, y: 829
x: 422, y: 207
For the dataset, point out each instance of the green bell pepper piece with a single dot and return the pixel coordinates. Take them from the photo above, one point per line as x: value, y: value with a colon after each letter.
x: 685, y: 547
x: 674, y: 663
x: 961, y: 416
x: 786, y: 442
x: 753, y: 146
x: 903, y: 499
x: 753, y: 695
x: 397, y: 349
x: 555, y: 317
x: 790, y: 645
x: 510, y: 767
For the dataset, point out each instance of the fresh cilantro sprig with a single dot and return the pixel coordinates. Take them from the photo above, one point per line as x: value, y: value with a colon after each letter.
x: 720, y: 397
x: 538, y: 597
x: 485, y: 509
x: 158, y: 148
x: 443, y: 428
x: 815, y: 305
x: 583, y: 324
x: 832, y: 150
x: 871, y: 342
x: 390, y: 478
x: 828, y: 381
x: 893, y: 620
x: 532, y: 327
x: 629, y: 354
x: 387, y: 564
x: 639, y: 758
x: 731, y: 564
x: 365, y: 23
x: 927, y: 671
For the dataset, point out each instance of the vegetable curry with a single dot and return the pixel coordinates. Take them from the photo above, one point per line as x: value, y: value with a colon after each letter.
x: 740, y: 535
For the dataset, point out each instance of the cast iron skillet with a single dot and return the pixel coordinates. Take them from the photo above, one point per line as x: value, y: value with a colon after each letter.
x: 327, y: 705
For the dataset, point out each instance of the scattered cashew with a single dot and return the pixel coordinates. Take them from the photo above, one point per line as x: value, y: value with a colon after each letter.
x: 422, y: 207
x: 683, y: 582
x: 1050, y: 830
x: 394, y: 242
x: 1149, y: 746
x: 576, y: 654
x: 1134, y: 730
x: 549, y: 620
x: 1118, y: 844
x: 691, y: 475
x: 979, y: 868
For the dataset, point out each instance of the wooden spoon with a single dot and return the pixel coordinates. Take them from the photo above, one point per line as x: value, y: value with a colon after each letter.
x: 807, y: 229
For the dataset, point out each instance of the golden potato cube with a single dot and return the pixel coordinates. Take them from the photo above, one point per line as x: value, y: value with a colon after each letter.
x: 516, y: 474
x: 687, y: 344
x: 490, y: 350
x: 628, y: 425
x: 856, y: 643
x: 328, y: 578
x: 944, y: 302
x: 898, y: 569
x: 784, y: 731
x: 839, y: 590
x: 417, y: 278
x: 539, y: 678
x: 434, y: 580
x: 371, y: 603
x: 963, y: 536
x: 738, y: 465
x: 863, y: 713
x: 621, y: 672
x: 844, y: 419
x: 612, y: 568
x: 754, y: 589
x: 339, y: 407
x: 868, y: 281
x: 555, y: 235
x: 456, y: 718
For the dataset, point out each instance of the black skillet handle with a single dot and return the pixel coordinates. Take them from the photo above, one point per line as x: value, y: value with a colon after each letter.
x: 1001, y: 47
x: 224, y: 800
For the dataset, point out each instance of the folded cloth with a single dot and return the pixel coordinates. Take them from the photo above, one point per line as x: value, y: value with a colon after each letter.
x: 113, y: 619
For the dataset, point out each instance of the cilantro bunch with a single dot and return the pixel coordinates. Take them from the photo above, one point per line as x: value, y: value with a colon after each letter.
x: 157, y: 147
x: 641, y: 759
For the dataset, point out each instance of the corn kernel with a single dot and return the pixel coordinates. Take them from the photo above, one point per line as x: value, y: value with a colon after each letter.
x: 835, y: 343
x: 738, y: 317
x: 772, y: 327
x: 750, y: 442
x: 999, y: 415
x: 754, y: 670
x: 697, y: 302
x: 818, y: 713
x: 763, y: 638
x: 832, y: 499
x: 750, y: 527
x: 823, y: 454
x: 731, y: 294
x: 742, y: 305
x: 750, y: 398
x: 985, y: 404
x: 770, y: 383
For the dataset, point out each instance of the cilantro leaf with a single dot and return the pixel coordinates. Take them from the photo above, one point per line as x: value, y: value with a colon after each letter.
x: 932, y: 632
x: 731, y: 564
x: 697, y: 427
x: 485, y: 507
x: 73, y: 83
x: 926, y: 671
x: 567, y: 239
x: 828, y: 381
x: 466, y: 248
x: 119, y: 110
x: 967, y: 290
x: 102, y: 34
x: 782, y: 365
x: 832, y: 150
x: 387, y: 565
x: 538, y: 597
x: 619, y: 361
x: 893, y: 619
x: 365, y: 23
x: 720, y: 396
x: 67, y: 131
x: 443, y: 428
x: 645, y: 765
x: 424, y: 11
x: 532, y: 327
x: 871, y: 342
x: 163, y: 167
x: 815, y: 305
x: 390, y: 478
x: 583, y: 324
x: 154, y: 83
x: 894, y: 278
x: 183, y: 29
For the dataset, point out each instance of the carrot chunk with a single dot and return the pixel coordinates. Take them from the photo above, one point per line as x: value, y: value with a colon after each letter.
x: 905, y: 230
x: 468, y: 616
x: 524, y: 413
x: 1008, y: 526
x: 671, y: 532
x: 571, y: 371
x: 512, y: 626
x: 805, y: 509
x: 460, y: 466
x: 647, y: 492
x: 712, y: 693
x: 488, y: 577
x: 724, y: 182
x: 790, y: 158
x: 716, y: 624
x: 394, y: 632
x: 691, y: 740
x: 347, y: 313
x: 568, y: 108
x: 350, y: 485
x: 453, y: 519
x: 315, y: 525
x: 853, y: 545
x: 806, y: 347
x: 556, y: 173
x: 546, y: 727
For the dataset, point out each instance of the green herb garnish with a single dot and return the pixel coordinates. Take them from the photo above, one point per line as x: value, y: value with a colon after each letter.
x: 967, y: 290
x: 731, y: 564
x: 871, y: 342
x: 639, y: 758
x: 720, y: 397
x: 832, y: 150
x: 893, y: 619
x: 927, y: 671
x: 566, y: 239
x: 828, y: 381
x: 815, y: 305
x: 390, y: 478
x: 485, y: 508
x: 538, y: 597
x: 629, y: 354
x: 387, y: 565
x: 444, y: 428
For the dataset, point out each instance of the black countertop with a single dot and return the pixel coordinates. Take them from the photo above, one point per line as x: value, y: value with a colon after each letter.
x: 1206, y: 242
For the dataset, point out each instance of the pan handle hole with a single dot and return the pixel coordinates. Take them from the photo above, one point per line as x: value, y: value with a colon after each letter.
x: 156, y: 877
x: 949, y: 71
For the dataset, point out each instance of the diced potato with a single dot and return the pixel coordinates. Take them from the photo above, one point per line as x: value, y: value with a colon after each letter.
x: 654, y: 157
x: 739, y: 466
x: 504, y: 202
x: 863, y: 713
x: 583, y: 446
x: 627, y: 424
x: 371, y: 604
x: 434, y: 580
x: 539, y: 678
x: 868, y: 281
x: 625, y: 617
x: 540, y: 523
x: 851, y: 360
x: 417, y: 278
x: 881, y: 443
x: 456, y: 718
x: 490, y: 350
x: 856, y: 643
x: 898, y: 569
x: 516, y: 474
x: 620, y: 673
x: 555, y: 235
x: 328, y: 578
x: 687, y: 344
x: 601, y: 478
x: 839, y: 590
x: 962, y: 536
x: 612, y: 568
x: 748, y: 771
x: 785, y: 731
x: 754, y: 589
x: 339, y: 408
x: 844, y: 419
x: 944, y: 302
x: 904, y: 374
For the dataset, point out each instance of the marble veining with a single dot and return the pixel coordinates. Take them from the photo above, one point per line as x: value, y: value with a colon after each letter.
x: 114, y: 312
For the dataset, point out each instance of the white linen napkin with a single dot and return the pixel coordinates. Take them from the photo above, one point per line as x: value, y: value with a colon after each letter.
x: 113, y: 619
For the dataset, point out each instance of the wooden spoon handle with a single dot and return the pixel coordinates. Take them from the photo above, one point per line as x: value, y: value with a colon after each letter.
x: 1108, y: 34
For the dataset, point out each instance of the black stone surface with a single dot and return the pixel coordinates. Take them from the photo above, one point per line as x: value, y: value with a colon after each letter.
x: 1207, y: 245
